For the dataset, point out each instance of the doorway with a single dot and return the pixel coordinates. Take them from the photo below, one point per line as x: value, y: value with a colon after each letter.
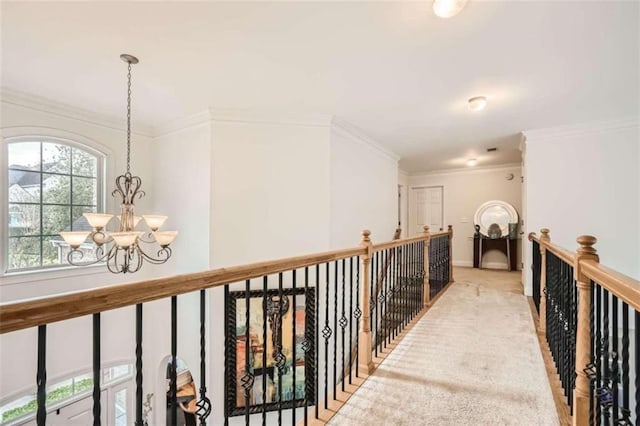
x: 426, y: 208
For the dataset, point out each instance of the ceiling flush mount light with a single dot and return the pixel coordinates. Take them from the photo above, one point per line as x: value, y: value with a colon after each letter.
x: 448, y: 8
x: 472, y: 162
x: 477, y: 103
x: 122, y: 251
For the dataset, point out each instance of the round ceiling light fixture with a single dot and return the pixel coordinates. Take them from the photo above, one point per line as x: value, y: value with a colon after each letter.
x: 477, y: 103
x: 448, y: 8
x: 472, y: 162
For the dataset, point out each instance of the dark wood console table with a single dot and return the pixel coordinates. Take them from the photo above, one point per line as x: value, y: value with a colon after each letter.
x: 507, y: 246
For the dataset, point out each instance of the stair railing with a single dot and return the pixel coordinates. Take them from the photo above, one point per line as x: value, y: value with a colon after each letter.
x: 590, y: 316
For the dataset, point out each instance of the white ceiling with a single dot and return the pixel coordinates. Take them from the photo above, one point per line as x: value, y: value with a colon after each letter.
x: 392, y: 69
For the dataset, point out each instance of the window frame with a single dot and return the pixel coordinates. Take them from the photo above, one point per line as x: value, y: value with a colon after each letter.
x: 101, y: 177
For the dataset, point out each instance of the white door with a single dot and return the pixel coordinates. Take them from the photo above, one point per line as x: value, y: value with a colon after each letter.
x: 425, y: 208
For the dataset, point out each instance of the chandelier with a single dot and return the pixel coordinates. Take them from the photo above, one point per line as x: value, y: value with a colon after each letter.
x: 123, y: 251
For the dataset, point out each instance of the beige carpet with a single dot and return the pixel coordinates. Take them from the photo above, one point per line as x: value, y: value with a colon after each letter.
x: 473, y: 359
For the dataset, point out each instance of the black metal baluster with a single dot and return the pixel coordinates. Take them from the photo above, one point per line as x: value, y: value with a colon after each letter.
x: 605, y: 399
x: 598, y: 348
x: 343, y: 323
x: 41, y: 377
x: 280, y: 361
x: 592, y: 333
x: 293, y: 361
x: 96, y: 370
x: 326, y: 334
x: 335, y: 326
x: 626, y: 409
x: 204, y: 405
x: 306, y: 345
x: 380, y: 301
x: 637, y: 364
x: 230, y: 342
x: 351, y: 319
x: 139, y: 421
x: 174, y: 360
x: 317, y: 337
x: 387, y: 284
x: 265, y: 376
x: 357, y: 314
x: 247, y: 378
x: 374, y: 303
x: 615, y: 350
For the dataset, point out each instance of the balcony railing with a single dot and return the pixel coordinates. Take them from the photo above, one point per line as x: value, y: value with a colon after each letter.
x: 590, y: 316
x: 299, y: 332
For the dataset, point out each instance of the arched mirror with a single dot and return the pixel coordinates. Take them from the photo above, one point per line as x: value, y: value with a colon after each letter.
x: 185, y: 396
x: 492, y: 219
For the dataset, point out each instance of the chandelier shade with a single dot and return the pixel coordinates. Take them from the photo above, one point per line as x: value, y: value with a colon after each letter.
x: 122, y: 251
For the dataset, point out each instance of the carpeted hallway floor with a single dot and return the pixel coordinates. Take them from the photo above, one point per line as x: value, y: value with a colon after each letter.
x: 473, y: 359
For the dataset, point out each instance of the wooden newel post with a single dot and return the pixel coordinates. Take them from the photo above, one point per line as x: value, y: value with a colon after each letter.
x: 427, y: 288
x: 544, y: 239
x: 450, y: 230
x: 364, y: 350
x: 583, y: 332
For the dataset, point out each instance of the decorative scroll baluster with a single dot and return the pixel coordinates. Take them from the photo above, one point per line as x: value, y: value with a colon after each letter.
x: 374, y: 302
x: 326, y: 334
x: 335, y: 327
x: 41, y: 377
x: 204, y: 404
x: 96, y: 370
x: 637, y: 363
x: 357, y: 314
x: 307, y: 361
x: 343, y: 323
x: 616, y: 355
x: 279, y: 356
x: 317, y: 337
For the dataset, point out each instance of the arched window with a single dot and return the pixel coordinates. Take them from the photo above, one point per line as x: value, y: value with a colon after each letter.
x: 51, y: 183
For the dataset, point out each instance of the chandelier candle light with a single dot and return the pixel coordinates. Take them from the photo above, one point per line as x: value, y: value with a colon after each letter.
x: 122, y: 250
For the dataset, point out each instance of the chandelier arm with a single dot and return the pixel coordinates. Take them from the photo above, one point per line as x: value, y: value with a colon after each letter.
x: 100, y: 257
x: 162, y: 255
x: 149, y: 235
x: 112, y: 264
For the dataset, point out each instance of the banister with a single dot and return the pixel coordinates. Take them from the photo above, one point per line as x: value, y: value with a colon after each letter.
x: 624, y: 287
x: 567, y: 256
x: 20, y: 315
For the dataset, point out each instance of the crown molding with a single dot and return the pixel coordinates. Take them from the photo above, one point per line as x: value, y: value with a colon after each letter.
x: 59, y: 109
x: 247, y: 116
x: 403, y: 173
x: 356, y: 134
x: 539, y: 135
x: 468, y: 171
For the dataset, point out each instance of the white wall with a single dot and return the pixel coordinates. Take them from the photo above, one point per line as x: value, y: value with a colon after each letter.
x: 585, y: 179
x: 464, y: 191
x: 364, y: 190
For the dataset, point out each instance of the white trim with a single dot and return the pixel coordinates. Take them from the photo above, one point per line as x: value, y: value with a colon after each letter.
x: 60, y: 109
x: 188, y: 122
x: 538, y: 135
x: 349, y: 130
x: 468, y: 171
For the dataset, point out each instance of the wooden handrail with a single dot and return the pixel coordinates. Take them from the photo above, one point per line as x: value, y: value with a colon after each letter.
x: 567, y: 256
x: 624, y: 287
x: 20, y: 315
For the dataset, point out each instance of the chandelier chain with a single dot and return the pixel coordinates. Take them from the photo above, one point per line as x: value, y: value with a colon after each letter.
x: 129, y: 118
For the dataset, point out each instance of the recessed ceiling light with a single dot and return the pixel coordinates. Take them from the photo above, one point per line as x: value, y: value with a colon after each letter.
x: 472, y: 162
x: 477, y: 103
x: 448, y: 8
